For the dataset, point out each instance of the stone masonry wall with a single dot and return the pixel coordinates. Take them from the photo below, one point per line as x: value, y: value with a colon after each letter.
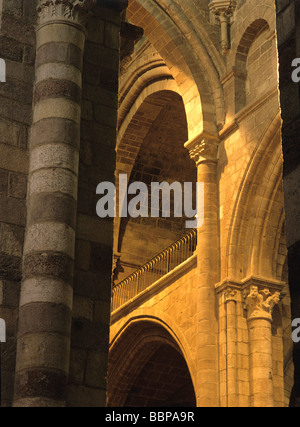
x: 17, y: 48
x: 93, y: 258
x: 250, y: 217
x: 93, y: 262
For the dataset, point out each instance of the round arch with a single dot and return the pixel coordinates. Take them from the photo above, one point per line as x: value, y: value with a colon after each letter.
x: 241, y: 56
x: 137, y: 126
x: 143, y: 342
x: 258, y: 16
x: 150, y: 88
x: 200, y: 96
x: 246, y: 41
x: 145, y: 70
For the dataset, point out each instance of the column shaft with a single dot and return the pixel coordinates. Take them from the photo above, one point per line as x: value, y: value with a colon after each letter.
x: 204, y: 151
x: 261, y: 369
x: 232, y: 395
x: 208, y: 274
x: 260, y: 304
x: 46, y: 295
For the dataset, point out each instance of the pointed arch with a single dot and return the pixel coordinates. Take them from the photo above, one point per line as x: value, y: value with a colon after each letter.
x: 132, y: 347
x: 135, y: 128
x: 256, y: 209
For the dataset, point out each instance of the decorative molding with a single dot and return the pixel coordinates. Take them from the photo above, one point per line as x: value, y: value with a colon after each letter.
x: 222, y: 11
x: 75, y: 11
x: 204, y: 147
x: 231, y: 128
x: 245, y: 284
x: 245, y: 112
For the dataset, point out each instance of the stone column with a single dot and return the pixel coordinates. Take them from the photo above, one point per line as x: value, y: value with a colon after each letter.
x: 259, y: 306
x: 223, y: 10
x: 43, y: 346
x: 230, y: 299
x: 204, y: 151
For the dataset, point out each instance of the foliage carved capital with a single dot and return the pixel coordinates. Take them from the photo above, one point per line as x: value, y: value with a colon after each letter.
x: 221, y: 8
x: 203, y: 148
x: 75, y: 11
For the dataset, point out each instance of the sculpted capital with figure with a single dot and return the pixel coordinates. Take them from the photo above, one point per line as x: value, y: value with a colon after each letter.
x: 260, y: 304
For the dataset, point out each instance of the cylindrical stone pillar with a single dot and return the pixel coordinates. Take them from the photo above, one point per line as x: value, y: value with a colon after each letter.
x: 223, y: 11
x: 259, y: 306
x: 224, y: 32
x: 43, y: 347
x: 231, y: 341
x: 204, y: 151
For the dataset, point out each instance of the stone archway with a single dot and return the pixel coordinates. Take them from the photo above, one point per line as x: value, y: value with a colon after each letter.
x: 152, y: 150
x: 197, y: 88
x: 147, y: 368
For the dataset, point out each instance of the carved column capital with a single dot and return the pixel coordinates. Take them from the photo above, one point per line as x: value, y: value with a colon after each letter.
x: 203, y: 148
x: 222, y: 11
x: 75, y: 11
x: 222, y: 8
x: 230, y: 294
x: 260, y: 304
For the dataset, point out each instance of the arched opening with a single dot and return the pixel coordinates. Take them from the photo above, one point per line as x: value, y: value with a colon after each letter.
x: 177, y: 52
x: 164, y: 381
x: 148, y: 369
x: 154, y: 141
x: 253, y: 77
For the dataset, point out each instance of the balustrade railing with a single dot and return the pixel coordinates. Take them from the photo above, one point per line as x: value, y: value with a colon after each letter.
x: 153, y: 270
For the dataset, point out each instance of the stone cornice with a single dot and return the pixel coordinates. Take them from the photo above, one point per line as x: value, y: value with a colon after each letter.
x: 245, y: 284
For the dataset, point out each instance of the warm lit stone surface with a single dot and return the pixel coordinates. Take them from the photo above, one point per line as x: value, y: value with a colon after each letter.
x: 87, y: 97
